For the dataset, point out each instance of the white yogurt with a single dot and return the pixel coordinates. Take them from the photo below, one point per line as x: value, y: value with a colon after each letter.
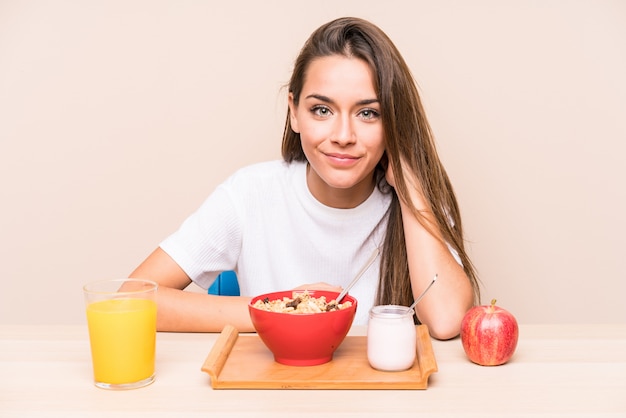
x: 391, y: 338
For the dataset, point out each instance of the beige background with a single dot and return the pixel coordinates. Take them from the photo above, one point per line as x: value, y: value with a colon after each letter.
x: 117, y: 119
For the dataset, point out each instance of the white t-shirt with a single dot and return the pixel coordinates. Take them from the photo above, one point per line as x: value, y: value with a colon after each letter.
x: 264, y: 223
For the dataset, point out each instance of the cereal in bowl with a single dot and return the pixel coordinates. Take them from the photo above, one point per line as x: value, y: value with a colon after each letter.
x: 300, y: 303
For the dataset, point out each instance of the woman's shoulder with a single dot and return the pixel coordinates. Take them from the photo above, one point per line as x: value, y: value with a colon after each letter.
x: 265, y: 170
x: 262, y: 168
x: 264, y: 174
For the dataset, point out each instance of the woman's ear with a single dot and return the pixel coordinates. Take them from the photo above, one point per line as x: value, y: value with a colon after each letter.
x: 293, y: 119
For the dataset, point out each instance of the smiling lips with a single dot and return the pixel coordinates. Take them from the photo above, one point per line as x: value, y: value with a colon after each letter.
x: 342, y: 160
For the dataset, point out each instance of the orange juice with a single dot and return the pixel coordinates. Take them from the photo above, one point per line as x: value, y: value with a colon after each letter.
x: 122, y: 333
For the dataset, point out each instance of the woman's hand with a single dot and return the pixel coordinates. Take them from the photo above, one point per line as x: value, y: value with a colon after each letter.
x: 389, y: 174
x: 415, y: 193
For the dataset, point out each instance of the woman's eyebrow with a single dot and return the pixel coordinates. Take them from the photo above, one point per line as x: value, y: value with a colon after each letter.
x: 367, y: 101
x: 326, y: 99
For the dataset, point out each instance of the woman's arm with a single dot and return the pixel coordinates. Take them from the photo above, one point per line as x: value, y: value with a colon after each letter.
x: 184, y: 311
x: 445, y: 304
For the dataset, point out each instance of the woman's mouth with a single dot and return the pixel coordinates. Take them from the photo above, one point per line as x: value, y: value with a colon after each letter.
x: 342, y: 160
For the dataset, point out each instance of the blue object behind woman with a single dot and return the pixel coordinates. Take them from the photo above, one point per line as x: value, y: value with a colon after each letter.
x: 225, y: 284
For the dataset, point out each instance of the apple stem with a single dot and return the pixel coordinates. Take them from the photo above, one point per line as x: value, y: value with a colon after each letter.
x: 492, y: 308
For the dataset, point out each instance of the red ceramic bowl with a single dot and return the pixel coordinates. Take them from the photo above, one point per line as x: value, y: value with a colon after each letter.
x: 302, y: 339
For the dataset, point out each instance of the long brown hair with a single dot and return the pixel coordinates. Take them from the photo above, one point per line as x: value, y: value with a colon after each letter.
x: 408, y: 137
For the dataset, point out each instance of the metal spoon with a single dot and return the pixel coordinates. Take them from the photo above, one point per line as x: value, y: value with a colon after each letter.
x: 423, y: 293
x: 367, y: 265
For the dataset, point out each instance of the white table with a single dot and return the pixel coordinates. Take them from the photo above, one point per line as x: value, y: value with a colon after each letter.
x: 557, y: 370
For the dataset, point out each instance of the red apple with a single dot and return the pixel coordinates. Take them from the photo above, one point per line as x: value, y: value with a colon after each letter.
x: 489, y: 334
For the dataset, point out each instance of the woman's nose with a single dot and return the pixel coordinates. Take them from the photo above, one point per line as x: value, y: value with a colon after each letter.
x: 344, y: 131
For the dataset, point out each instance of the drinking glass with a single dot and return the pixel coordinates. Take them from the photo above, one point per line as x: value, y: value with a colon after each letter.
x: 121, y: 317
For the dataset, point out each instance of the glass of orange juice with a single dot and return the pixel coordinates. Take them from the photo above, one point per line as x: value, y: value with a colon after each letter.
x: 121, y: 317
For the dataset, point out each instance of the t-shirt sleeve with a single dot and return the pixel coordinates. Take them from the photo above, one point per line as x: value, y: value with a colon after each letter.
x: 455, y: 254
x: 209, y: 240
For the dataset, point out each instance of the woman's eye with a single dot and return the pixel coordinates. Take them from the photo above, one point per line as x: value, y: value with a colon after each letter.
x: 320, y: 111
x: 369, y: 114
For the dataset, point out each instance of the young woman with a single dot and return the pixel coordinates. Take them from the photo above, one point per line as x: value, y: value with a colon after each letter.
x: 360, y: 174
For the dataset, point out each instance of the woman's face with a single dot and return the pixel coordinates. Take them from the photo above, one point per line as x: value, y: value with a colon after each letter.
x: 338, y: 119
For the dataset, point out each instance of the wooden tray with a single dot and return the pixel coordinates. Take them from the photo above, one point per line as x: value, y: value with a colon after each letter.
x: 244, y: 362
